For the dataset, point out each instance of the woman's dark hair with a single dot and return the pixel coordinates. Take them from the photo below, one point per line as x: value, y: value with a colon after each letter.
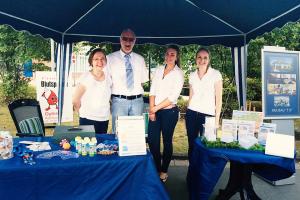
x: 203, y: 49
x: 93, y: 52
x: 176, y: 48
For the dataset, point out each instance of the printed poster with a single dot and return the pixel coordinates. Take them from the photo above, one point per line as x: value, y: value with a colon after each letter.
x: 280, y: 70
x: 47, y: 95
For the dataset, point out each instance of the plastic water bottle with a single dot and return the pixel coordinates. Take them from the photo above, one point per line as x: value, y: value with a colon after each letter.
x: 94, y: 140
x: 78, y: 140
x: 92, y: 148
x: 84, y: 149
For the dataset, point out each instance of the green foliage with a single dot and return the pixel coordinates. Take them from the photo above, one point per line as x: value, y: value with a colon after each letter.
x: 221, y: 60
x: 15, y: 49
x: 288, y: 36
x: 232, y: 145
x: 230, y: 101
x: 40, y: 67
x: 106, y: 47
x: 257, y: 147
x: 254, y: 89
x: 146, y: 86
x: 12, y: 88
x: 182, y: 105
x: 219, y: 144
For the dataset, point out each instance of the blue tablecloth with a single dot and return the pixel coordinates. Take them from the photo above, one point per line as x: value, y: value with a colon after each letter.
x: 207, y: 165
x: 99, y: 177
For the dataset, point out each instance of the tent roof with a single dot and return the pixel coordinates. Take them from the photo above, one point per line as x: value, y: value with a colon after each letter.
x: 226, y: 22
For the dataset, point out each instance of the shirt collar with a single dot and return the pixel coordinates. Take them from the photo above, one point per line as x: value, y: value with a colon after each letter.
x: 123, y: 54
x: 174, y: 68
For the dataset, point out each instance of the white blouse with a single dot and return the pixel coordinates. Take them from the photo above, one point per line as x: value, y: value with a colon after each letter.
x: 95, y: 100
x: 169, y: 86
x: 204, y: 94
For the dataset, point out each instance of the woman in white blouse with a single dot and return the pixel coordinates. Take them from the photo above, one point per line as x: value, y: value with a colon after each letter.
x: 163, y: 113
x: 92, y: 95
x: 205, y: 98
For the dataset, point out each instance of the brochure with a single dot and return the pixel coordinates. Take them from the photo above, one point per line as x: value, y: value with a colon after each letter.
x: 209, y: 129
x: 264, y: 130
x: 246, y: 128
x: 229, y: 130
x: 248, y: 116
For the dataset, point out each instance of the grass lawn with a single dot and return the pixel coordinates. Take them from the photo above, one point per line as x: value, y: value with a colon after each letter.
x: 179, y: 139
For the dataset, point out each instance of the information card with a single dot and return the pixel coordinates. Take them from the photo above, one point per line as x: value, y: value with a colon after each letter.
x: 131, y: 135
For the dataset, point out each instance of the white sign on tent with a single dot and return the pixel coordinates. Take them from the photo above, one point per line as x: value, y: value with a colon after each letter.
x: 46, y: 90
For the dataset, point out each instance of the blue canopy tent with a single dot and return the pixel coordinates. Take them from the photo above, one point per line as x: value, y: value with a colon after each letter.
x: 231, y: 23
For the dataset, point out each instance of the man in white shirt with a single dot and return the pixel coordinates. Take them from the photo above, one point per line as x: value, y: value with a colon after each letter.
x: 128, y: 73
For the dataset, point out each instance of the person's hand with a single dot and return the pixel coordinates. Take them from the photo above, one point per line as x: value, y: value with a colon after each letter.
x: 217, y: 125
x: 152, y: 116
x: 153, y: 110
x: 76, y: 107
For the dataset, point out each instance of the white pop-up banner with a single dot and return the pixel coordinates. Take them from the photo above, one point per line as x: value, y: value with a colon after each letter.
x: 47, y: 90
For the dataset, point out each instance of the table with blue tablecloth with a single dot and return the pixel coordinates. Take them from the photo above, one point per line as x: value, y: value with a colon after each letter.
x: 207, y: 164
x: 98, y: 177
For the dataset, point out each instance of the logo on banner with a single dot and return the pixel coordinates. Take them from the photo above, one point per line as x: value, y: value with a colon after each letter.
x: 51, y: 99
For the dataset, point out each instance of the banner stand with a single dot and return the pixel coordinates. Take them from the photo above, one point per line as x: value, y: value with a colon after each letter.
x: 281, y: 92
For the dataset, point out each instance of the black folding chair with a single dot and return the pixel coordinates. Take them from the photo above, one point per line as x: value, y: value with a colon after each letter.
x: 27, y: 117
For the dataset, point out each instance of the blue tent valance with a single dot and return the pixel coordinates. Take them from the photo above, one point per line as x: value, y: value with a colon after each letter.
x: 227, y: 22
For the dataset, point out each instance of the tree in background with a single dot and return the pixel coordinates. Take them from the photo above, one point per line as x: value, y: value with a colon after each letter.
x: 15, y: 48
x: 288, y: 36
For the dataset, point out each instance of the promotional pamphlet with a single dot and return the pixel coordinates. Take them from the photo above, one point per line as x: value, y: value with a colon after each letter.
x: 264, y: 130
x: 229, y: 130
x: 241, y: 115
x: 209, y: 129
x: 246, y: 128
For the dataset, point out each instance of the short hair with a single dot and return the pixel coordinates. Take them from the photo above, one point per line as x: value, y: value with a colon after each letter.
x: 176, y: 48
x: 93, y: 52
x: 128, y: 30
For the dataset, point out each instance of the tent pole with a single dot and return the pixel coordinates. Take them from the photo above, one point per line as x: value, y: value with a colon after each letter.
x: 61, y: 80
x: 244, y: 75
x: 149, y: 68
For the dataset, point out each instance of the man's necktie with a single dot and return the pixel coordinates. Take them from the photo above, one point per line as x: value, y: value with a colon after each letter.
x: 129, y: 72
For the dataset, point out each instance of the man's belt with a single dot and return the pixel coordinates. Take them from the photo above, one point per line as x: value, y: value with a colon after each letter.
x: 127, y: 97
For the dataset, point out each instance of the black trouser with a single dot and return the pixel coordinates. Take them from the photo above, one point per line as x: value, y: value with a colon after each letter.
x: 166, y: 121
x: 194, y: 122
x: 100, y: 126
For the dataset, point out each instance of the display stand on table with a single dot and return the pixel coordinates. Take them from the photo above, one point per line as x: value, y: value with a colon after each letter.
x: 280, y: 92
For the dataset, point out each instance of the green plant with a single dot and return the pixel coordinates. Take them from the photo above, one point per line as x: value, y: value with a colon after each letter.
x: 12, y: 88
x: 254, y: 89
x: 182, y: 105
x: 15, y: 49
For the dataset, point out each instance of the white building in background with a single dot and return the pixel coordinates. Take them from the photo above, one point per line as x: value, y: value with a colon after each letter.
x: 79, y: 64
